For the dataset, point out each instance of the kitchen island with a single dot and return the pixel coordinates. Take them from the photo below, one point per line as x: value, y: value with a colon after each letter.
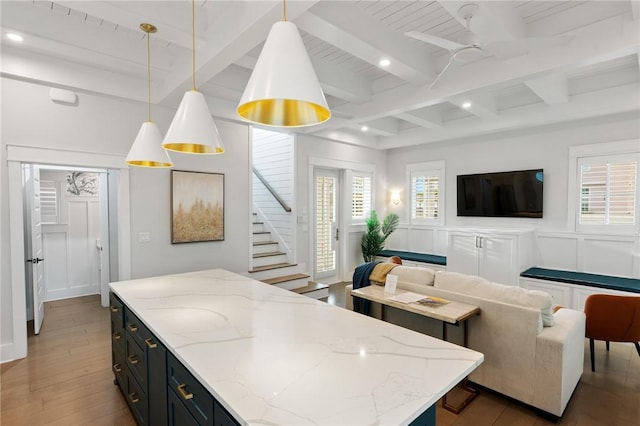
x: 270, y: 356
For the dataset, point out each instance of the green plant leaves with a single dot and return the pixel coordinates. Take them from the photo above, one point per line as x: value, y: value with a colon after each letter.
x: 373, y: 239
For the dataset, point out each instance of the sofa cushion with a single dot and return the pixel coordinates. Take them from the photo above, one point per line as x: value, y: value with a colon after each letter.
x: 479, y: 287
x: 414, y: 275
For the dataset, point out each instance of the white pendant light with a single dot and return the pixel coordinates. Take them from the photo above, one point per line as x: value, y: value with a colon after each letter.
x: 283, y: 89
x: 192, y: 130
x: 147, y: 150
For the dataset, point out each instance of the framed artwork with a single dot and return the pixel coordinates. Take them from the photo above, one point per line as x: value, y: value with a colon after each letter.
x: 197, y: 207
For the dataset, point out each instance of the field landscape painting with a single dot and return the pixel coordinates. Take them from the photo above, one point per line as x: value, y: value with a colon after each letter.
x: 197, y: 207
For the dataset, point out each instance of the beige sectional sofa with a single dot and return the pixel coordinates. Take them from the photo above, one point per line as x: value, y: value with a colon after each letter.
x: 531, y: 354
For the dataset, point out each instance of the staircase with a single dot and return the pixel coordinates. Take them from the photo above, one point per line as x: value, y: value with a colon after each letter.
x: 270, y: 265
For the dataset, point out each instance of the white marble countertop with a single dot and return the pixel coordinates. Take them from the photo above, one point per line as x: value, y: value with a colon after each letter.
x: 271, y: 356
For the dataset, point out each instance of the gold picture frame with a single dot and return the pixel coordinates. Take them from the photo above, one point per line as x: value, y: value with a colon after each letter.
x: 197, y: 207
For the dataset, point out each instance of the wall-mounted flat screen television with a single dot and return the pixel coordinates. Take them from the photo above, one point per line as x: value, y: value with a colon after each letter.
x: 504, y: 194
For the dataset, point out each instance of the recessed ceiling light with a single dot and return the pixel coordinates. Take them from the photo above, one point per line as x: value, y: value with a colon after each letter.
x: 466, y: 105
x: 384, y: 62
x: 14, y: 37
x: 364, y: 128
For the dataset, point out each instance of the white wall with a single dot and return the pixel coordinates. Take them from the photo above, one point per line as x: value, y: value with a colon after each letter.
x: 546, y: 148
x: 150, y: 212
x: 312, y: 147
x: 102, y: 124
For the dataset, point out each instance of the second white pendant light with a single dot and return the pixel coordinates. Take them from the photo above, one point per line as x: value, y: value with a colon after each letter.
x: 193, y: 130
x: 283, y: 89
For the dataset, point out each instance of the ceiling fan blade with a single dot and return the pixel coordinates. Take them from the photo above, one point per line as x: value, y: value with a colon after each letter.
x: 433, y: 83
x: 522, y: 46
x: 436, y: 41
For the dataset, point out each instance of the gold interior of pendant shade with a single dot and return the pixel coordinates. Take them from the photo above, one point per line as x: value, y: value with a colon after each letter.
x: 192, y: 148
x: 154, y: 164
x: 284, y: 112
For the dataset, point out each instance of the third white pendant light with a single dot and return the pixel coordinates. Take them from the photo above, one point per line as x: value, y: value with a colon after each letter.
x: 283, y: 89
x: 193, y: 130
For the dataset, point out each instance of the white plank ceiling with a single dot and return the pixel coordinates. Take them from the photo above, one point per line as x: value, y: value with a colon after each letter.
x: 586, y: 66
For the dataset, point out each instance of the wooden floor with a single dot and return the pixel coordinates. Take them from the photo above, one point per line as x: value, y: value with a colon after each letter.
x: 67, y: 380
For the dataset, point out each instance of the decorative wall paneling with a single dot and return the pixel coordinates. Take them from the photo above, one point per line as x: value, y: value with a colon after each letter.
x: 597, y: 254
x: 72, y: 268
x: 273, y: 157
x: 420, y: 239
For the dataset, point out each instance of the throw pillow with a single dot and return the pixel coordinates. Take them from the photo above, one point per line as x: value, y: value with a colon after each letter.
x: 413, y: 275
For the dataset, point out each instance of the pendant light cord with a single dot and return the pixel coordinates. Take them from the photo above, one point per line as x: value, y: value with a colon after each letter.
x: 284, y: 10
x: 149, y: 74
x: 193, y: 42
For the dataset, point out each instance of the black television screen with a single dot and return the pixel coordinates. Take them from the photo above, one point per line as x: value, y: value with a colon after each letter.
x: 504, y: 194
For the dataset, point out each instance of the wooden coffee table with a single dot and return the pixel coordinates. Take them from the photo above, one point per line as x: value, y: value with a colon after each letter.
x: 455, y: 313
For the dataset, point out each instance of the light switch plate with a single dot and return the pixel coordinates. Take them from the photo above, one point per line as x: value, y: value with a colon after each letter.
x: 144, y: 237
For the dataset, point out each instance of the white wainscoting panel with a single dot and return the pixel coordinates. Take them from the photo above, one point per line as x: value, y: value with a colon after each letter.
x: 557, y: 252
x: 84, y: 223
x: 597, y: 254
x: 55, y: 265
x: 421, y: 240
x: 398, y: 240
x: 608, y: 257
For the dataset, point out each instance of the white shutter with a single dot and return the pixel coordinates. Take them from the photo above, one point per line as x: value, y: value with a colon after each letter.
x: 608, y: 191
x: 425, y: 194
x: 48, y: 201
x: 360, y: 197
x: 325, y: 216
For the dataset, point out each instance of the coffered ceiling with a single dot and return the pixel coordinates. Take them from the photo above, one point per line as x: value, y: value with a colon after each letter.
x: 539, y: 63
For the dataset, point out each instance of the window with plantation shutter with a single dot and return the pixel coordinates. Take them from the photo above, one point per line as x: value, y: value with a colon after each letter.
x: 360, y: 197
x: 48, y: 201
x: 426, y: 183
x: 608, y: 191
x: 325, y: 218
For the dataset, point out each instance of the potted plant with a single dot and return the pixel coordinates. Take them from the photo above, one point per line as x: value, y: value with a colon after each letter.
x: 374, y: 237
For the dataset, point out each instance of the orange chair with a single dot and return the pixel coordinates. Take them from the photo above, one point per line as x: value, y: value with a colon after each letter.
x: 612, y: 319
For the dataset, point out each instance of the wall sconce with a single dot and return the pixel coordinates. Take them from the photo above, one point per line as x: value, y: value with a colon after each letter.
x: 395, y: 198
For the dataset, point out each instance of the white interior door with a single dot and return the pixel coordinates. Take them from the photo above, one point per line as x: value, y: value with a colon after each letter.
x: 35, y: 267
x: 326, y: 225
x: 103, y: 242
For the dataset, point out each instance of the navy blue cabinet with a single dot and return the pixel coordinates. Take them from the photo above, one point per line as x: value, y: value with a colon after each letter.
x: 157, y: 387
x: 139, y: 365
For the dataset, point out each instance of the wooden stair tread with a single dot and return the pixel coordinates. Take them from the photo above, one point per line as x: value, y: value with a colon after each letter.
x: 284, y: 278
x: 310, y: 287
x: 268, y: 254
x: 273, y: 266
x: 261, y: 232
x: 264, y: 243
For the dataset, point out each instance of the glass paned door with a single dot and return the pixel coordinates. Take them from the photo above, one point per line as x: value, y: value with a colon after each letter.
x: 326, y: 230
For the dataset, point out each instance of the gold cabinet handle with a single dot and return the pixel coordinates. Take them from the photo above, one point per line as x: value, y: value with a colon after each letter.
x: 183, y: 393
x: 133, y: 359
x: 117, y: 336
x: 132, y: 327
x: 150, y: 343
x: 114, y: 309
x: 117, y: 368
x: 134, y: 397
